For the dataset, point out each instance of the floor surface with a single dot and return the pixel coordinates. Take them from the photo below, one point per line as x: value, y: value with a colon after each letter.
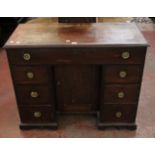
x: 81, y: 126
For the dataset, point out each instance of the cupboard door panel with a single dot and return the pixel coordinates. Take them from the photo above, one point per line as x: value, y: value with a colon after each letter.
x: 77, y: 87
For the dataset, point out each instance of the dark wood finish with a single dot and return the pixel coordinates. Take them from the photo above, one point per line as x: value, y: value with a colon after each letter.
x: 108, y: 113
x: 27, y: 114
x: 76, y: 35
x: 112, y: 73
x: 103, y: 126
x: 41, y: 75
x: 77, y: 19
x: 110, y: 94
x: 77, y: 56
x: 76, y: 70
x: 45, y: 95
x: 77, y: 87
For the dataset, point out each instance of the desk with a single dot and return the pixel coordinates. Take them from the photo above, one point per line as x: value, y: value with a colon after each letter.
x: 77, y: 68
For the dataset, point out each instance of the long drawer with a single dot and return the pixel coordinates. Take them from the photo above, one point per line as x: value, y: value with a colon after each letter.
x: 120, y: 94
x: 106, y: 55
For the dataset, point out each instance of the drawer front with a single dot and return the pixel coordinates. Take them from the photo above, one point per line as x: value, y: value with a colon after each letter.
x: 34, y: 95
x: 122, y: 73
x: 115, y: 113
x: 39, y: 114
x: 120, y: 94
x: 29, y: 75
x: 92, y: 55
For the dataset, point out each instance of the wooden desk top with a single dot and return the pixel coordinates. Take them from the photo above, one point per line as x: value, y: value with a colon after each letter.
x: 98, y: 34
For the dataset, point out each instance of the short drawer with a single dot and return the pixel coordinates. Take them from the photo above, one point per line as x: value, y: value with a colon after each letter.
x: 39, y: 114
x: 83, y: 55
x: 122, y: 74
x: 29, y: 75
x: 34, y: 95
x: 114, y: 113
x: 120, y: 94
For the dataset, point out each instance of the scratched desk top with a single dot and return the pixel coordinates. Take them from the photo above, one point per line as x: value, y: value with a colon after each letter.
x: 97, y: 34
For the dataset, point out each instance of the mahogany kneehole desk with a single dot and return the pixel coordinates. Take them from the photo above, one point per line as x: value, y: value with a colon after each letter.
x: 77, y: 68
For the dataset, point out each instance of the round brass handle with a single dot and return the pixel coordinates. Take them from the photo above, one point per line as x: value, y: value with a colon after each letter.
x: 121, y: 94
x: 118, y: 114
x: 30, y: 75
x: 34, y: 94
x: 37, y: 114
x: 27, y: 56
x: 125, y: 55
x: 122, y: 74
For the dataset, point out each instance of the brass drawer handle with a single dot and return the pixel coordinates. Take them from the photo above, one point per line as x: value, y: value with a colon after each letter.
x: 121, y: 94
x: 37, y: 114
x: 27, y: 56
x: 118, y: 114
x: 34, y: 94
x: 125, y: 55
x: 122, y: 74
x: 30, y: 75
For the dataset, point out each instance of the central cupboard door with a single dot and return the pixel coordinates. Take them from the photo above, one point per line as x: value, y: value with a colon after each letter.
x: 77, y: 88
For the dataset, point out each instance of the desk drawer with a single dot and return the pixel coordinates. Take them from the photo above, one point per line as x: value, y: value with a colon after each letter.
x: 120, y: 94
x: 114, y: 113
x: 105, y: 55
x: 34, y: 95
x: 39, y: 114
x: 30, y: 75
x: 122, y: 74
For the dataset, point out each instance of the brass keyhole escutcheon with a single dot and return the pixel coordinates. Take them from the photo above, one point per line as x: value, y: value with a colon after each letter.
x: 122, y: 74
x: 37, y: 114
x: 118, y: 114
x: 30, y: 75
x: 121, y: 94
x: 34, y: 94
x: 27, y: 56
x: 125, y: 55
